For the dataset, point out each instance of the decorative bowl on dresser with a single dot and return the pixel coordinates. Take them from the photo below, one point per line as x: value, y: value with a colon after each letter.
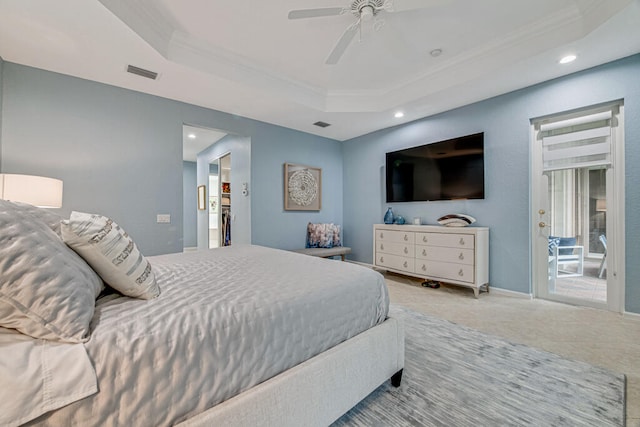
x: 455, y: 255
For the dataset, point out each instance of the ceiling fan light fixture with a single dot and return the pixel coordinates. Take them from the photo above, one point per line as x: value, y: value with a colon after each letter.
x: 366, y: 13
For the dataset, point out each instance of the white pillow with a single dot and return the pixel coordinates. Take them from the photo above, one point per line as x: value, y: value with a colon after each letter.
x: 112, y: 254
x: 46, y: 290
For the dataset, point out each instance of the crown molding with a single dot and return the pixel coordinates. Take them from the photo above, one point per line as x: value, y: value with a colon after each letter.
x: 144, y: 19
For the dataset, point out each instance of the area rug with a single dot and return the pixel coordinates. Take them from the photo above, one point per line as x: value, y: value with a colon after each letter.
x: 457, y: 376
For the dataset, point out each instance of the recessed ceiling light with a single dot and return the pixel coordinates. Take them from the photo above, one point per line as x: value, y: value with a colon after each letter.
x: 191, y: 136
x: 567, y: 59
x: 436, y: 52
x: 398, y: 114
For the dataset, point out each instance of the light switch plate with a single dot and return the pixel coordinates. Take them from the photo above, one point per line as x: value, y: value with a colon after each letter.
x: 163, y: 219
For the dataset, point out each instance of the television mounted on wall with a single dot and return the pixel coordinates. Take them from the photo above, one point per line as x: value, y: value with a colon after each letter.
x: 444, y: 170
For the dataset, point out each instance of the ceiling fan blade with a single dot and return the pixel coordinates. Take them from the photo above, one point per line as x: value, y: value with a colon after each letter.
x: 315, y: 13
x: 342, y: 44
x: 404, y: 5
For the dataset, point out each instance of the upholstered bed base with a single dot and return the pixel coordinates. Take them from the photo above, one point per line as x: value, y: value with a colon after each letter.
x: 320, y: 390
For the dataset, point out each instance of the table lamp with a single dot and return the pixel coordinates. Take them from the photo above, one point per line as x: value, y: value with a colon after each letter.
x: 38, y: 191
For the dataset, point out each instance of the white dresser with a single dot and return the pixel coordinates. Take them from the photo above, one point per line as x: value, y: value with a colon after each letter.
x: 458, y: 255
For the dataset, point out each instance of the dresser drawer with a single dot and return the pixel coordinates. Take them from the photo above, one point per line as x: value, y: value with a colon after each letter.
x: 446, y: 270
x: 453, y: 255
x: 395, y: 262
x: 458, y: 256
x: 401, y: 249
x: 393, y: 236
x: 446, y: 240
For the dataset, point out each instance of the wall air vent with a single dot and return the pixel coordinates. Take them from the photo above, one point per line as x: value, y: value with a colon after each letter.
x: 142, y: 72
x: 322, y: 124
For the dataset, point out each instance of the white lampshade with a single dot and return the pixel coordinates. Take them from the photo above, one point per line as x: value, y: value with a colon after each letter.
x: 601, y: 205
x: 34, y: 190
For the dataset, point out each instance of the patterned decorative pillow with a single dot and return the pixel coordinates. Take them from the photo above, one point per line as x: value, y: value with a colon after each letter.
x: 111, y: 253
x: 46, y: 290
x: 553, y: 242
x: 337, y: 239
x: 319, y: 235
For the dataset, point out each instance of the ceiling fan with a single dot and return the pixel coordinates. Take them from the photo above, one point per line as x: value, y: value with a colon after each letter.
x: 364, y: 11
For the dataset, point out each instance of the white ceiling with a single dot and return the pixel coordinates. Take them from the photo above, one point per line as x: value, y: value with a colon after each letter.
x: 195, y: 139
x: 246, y: 57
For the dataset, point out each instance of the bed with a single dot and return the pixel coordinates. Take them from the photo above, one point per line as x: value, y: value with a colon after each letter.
x: 242, y: 335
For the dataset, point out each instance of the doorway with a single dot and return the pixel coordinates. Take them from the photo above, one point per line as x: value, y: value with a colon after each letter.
x: 578, y: 203
x: 195, y: 139
x: 220, y: 202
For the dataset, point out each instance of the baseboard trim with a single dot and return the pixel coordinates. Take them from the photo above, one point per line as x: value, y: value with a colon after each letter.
x: 496, y: 291
x: 508, y: 293
x: 631, y: 315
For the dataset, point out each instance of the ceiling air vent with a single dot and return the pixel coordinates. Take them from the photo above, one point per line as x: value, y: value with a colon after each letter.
x: 322, y: 124
x: 142, y: 72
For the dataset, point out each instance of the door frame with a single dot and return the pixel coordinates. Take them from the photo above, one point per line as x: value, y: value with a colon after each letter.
x: 615, y: 220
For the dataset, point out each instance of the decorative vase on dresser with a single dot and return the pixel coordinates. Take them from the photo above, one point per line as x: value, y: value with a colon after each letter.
x: 388, y: 217
x: 456, y: 255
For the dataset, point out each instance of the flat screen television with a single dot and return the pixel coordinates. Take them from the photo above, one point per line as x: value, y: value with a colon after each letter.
x: 445, y: 170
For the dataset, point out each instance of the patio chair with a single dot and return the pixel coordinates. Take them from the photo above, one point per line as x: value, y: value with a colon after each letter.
x: 563, y: 252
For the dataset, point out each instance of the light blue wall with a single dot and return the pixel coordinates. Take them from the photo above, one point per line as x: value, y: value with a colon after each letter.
x: 287, y: 229
x: 190, y: 204
x: 505, y: 121
x: 119, y: 153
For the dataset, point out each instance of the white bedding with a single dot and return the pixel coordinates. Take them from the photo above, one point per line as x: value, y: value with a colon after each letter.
x: 37, y: 376
x: 226, y: 320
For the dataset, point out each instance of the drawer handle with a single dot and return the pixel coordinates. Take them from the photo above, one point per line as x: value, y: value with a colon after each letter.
x: 381, y: 235
x: 381, y: 259
x: 462, y: 241
x: 424, y: 267
x: 406, y: 238
x: 381, y: 247
x: 460, y: 273
x: 461, y: 256
x: 405, y: 264
x: 406, y: 250
x: 424, y: 239
x: 424, y: 252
